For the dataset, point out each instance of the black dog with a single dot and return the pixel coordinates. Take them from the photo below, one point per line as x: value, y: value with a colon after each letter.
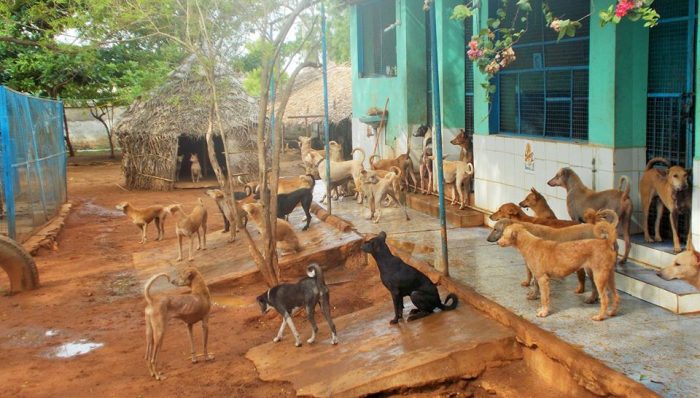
x: 403, y: 280
x: 287, y: 202
x: 306, y: 293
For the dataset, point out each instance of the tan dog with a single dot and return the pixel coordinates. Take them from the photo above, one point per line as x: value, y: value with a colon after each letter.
x: 341, y: 172
x: 686, y: 265
x: 564, y: 234
x: 550, y: 259
x: 336, y: 150
x: 464, y: 141
x: 286, y: 184
x: 426, y: 171
x: 402, y: 162
x: 515, y: 213
x: 458, y: 173
x: 226, y: 207
x: 142, y: 217
x: 195, y: 168
x: 377, y: 189
x: 286, y: 237
x: 579, y: 198
x: 535, y: 201
x: 189, y: 224
x: 672, y: 188
x: 189, y: 308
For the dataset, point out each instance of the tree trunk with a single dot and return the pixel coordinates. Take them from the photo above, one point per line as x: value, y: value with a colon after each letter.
x: 71, y: 152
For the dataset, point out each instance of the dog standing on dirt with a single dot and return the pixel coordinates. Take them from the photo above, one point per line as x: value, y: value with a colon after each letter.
x: 672, y: 187
x: 550, y: 259
x: 403, y: 280
x: 142, y: 217
x: 579, y: 198
x: 195, y: 168
x: 686, y: 265
x: 189, y: 224
x: 536, y: 201
x: 306, y: 293
x: 189, y: 308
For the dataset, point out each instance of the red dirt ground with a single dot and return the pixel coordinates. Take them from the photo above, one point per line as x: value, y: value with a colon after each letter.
x: 88, y: 291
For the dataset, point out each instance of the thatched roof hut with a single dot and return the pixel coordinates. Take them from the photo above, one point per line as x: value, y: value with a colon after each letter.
x: 157, y: 135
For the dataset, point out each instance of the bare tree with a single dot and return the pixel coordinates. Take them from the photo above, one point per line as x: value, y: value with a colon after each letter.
x: 105, y: 114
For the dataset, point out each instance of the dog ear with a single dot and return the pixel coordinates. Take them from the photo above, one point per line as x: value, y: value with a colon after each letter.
x: 382, y: 236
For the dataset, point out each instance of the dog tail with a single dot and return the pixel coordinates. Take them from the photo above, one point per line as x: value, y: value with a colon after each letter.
x: 624, y: 180
x: 609, y: 216
x: 372, y: 161
x: 652, y: 162
x: 448, y: 307
x: 314, y: 271
x: 398, y: 170
x: 361, y: 152
x: 470, y: 169
x: 147, y: 287
x: 605, y: 230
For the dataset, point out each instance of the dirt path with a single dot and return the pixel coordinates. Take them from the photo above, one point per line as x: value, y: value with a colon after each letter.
x: 88, y: 291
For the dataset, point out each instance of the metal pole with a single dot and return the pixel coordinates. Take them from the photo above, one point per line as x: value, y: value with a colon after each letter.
x: 437, y: 142
x: 326, y: 134
x: 8, y: 174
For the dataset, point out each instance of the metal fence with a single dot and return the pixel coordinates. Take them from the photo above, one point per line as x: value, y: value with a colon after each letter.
x: 33, y: 166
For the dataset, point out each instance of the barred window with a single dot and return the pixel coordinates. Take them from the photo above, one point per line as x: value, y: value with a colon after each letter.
x: 377, y: 38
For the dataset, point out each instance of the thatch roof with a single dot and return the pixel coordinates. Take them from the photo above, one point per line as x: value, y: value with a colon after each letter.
x: 307, y: 97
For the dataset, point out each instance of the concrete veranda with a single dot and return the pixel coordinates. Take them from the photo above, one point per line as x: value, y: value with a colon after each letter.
x: 647, y: 343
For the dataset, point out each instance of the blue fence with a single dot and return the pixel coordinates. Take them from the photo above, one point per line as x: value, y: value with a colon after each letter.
x: 33, y: 166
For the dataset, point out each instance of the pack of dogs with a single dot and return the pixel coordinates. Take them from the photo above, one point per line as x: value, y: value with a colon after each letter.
x: 551, y: 248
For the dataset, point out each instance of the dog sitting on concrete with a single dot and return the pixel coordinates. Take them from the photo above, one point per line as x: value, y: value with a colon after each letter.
x: 686, y: 265
x: 672, y: 188
x: 189, y: 224
x: 306, y: 293
x: 141, y: 217
x: 195, y: 168
x: 189, y: 308
x: 403, y: 280
x: 287, y: 202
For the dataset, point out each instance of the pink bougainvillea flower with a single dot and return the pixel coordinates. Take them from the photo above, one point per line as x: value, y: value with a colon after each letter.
x: 473, y: 54
x: 623, y: 7
x: 555, y: 25
x: 473, y: 45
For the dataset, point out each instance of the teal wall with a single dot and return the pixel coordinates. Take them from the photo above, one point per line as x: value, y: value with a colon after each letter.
x: 451, y: 54
x: 481, y: 105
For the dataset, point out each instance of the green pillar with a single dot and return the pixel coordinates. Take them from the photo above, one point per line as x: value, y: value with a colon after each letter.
x: 451, y: 53
x: 617, y: 86
x: 481, y: 105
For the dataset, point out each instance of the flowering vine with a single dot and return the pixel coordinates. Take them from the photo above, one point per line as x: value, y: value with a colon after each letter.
x: 492, y: 49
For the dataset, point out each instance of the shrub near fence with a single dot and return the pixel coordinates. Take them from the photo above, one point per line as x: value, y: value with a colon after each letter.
x: 33, y: 165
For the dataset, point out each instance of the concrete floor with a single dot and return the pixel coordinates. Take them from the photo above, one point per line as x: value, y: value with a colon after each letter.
x: 645, y: 342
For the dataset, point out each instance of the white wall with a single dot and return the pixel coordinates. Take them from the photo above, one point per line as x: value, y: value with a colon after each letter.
x: 86, y: 132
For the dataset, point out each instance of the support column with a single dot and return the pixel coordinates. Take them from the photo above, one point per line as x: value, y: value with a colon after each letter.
x: 451, y: 54
x: 481, y: 105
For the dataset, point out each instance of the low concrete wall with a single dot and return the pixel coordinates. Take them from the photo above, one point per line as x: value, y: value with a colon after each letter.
x: 86, y: 132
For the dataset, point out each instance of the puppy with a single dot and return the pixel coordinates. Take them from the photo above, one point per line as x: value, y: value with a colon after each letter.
x: 189, y: 224
x: 195, y: 168
x: 376, y: 189
x: 535, y: 201
x: 673, y: 190
x: 579, y: 198
x: 515, y: 213
x: 549, y: 259
x: 225, y: 206
x: 142, y: 217
x: 286, y: 238
x: 189, y: 308
x: 308, y: 292
x: 287, y: 202
x: 686, y: 265
x: 403, y: 280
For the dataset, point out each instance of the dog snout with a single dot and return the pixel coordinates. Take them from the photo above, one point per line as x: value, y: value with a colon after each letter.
x: 494, y: 236
x: 523, y: 204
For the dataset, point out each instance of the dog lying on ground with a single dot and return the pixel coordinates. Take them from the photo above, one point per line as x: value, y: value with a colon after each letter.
x: 142, y: 217
x: 285, y: 236
x: 402, y: 162
x: 564, y: 234
x: 189, y: 224
x: 403, y: 280
x: 377, y: 189
x: 515, y: 213
x: 673, y: 190
x: 341, y: 172
x: 550, y: 259
x: 535, y: 201
x: 686, y: 265
x: 287, y: 202
x: 189, y: 308
x: 226, y: 208
x: 307, y: 293
x: 195, y: 168
x: 579, y: 198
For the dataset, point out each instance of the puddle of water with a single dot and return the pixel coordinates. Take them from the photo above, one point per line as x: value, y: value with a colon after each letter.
x: 90, y: 208
x: 231, y: 301
x: 75, y: 348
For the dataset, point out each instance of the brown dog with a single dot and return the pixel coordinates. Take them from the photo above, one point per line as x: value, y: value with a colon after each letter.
x: 189, y: 224
x: 579, y: 198
x: 377, y: 189
x: 402, y: 162
x: 536, y: 201
x: 285, y: 236
x: 550, y: 259
x: 672, y: 188
x: 142, y: 217
x: 189, y: 308
x: 686, y: 265
x: 458, y: 173
x: 464, y: 141
x: 195, y: 168
x: 515, y: 213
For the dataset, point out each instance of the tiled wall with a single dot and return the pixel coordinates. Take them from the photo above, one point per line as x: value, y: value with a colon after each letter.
x: 501, y: 175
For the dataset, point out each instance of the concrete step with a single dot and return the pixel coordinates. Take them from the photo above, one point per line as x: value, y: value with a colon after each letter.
x: 517, y: 380
x: 642, y: 282
x: 373, y: 356
x: 428, y: 204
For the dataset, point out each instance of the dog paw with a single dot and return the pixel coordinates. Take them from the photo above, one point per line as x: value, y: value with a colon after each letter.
x: 533, y: 294
x: 209, y: 357
x: 178, y: 259
x: 297, y: 344
x: 525, y: 283
x: 579, y: 289
x: 676, y: 250
x: 394, y: 321
x: 334, y: 340
x: 276, y: 339
x: 591, y: 300
x: 543, y: 312
x: 599, y: 317
x: 657, y: 239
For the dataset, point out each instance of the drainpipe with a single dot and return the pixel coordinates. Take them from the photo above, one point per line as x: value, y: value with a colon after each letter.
x: 437, y: 143
x: 326, y: 134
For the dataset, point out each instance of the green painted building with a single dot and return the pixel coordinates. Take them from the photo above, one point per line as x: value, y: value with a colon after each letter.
x: 602, y: 102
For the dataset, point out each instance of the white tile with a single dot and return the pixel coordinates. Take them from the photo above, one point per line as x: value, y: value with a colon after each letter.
x: 586, y: 176
x: 624, y: 160
x: 575, y: 155
x: 481, y: 194
x: 604, y: 180
x: 587, y: 156
x: 563, y: 152
x: 550, y: 150
x: 604, y: 159
x: 550, y: 169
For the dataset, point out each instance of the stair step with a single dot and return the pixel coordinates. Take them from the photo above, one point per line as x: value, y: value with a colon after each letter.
x: 428, y: 204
